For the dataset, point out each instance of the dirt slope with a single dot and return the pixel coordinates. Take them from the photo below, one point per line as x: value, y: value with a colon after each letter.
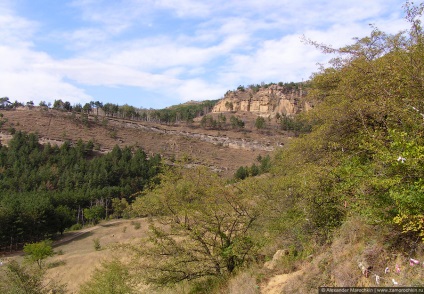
x: 223, y: 150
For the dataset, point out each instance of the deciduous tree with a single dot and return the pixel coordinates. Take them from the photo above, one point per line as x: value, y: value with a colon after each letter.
x: 207, y: 228
x: 37, y: 252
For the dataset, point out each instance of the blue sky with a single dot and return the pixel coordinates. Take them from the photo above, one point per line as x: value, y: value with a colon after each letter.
x: 157, y: 53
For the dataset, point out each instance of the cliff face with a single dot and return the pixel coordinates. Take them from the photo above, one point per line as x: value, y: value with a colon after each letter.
x: 264, y: 101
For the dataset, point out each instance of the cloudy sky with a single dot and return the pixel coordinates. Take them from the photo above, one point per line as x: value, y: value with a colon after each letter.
x: 157, y: 53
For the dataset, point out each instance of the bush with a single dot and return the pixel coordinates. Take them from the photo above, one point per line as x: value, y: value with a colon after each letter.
x: 236, y: 123
x: 37, y: 252
x: 136, y: 225
x: 75, y: 227
x: 260, y: 123
x: 97, y: 245
x: 241, y: 173
x: 111, y: 277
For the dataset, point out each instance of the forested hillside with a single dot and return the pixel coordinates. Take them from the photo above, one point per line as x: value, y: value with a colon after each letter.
x: 45, y: 189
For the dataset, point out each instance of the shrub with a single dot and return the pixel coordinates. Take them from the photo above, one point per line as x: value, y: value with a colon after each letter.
x: 97, y: 245
x: 75, y: 227
x: 37, y: 252
x: 260, y: 122
x: 136, y: 225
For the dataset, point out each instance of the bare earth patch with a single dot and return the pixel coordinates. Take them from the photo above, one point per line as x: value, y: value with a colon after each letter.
x: 78, y: 257
x: 222, y: 150
x: 276, y: 283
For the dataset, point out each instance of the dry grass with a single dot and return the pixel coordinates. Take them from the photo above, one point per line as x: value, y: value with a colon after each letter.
x: 57, y: 126
x: 243, y: 283
x: 80, y: 258
x: 337, y: 264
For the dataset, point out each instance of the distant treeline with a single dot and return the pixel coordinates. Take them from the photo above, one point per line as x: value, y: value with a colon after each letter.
x: 175, y: 114
x: 171, y: 115
x: 45, y: 189
x: 287, y: 86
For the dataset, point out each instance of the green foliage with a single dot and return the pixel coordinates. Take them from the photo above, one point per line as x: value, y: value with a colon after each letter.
x: 362, y: 152
x: 265, y: 163
x: 236, y: 123
x: 56, y: 264
x: 111, y: 278
x: 229, y: 105
x: 94, y: 214
x: 60, y: 182
x: 136, y: 225
x: 105, y: 122
x: 75, y: 227
x: 127, y: 111
x: 260, y: 123
x: 210, y: 230
x: 255, y: 88
x: 84, y: 119
x: 295, y: 124
x: 23, y: 280
x: 37, y: 252
x: 64, y: 217
x: 403, y: 178
x: 360, y: 156
x: 208, y: 122
x: 183, y: 112
x: 77, y: 107
x: 5, y: 102
x: 221, y: 120
x: 87, y: 107
x: 60, y: 105
x: 119, y: 206
x: 241, y: 173
x: 113, y: 134
x: 206, y: 285
x: 111, y: 109
x: 254, y: 170
x: 2, y: 120
x: 96, y: 243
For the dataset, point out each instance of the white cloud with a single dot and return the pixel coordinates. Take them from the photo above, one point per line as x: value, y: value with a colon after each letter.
x: 38, y: 85
x: 89, y: 72
x: 197, y: 89
x: 186, y: 8
x: 21, y: 77
x: 167, y: 53
x: 220, y: 46
x: 24, y: 77
x: 116, y: 16
x: 82, y: 39
x: 288, y: 59
x: 14, y: 29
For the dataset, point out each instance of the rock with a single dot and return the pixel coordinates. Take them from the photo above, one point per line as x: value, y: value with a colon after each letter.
x: 264, y: 102
x: 277, y: 256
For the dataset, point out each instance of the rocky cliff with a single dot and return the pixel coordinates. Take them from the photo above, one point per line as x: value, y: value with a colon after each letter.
x: 265, y: 100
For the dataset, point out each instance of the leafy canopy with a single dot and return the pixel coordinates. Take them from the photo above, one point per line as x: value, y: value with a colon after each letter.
x: 205, y: 227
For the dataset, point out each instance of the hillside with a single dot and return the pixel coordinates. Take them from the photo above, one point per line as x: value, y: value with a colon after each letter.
x: 341, y: 205
x: 223, y: 150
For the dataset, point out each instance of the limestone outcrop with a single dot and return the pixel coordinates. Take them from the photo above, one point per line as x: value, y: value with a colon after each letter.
x: 264, y: 101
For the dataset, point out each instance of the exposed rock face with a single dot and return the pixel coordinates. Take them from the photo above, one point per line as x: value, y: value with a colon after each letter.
x: 265, y: 101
